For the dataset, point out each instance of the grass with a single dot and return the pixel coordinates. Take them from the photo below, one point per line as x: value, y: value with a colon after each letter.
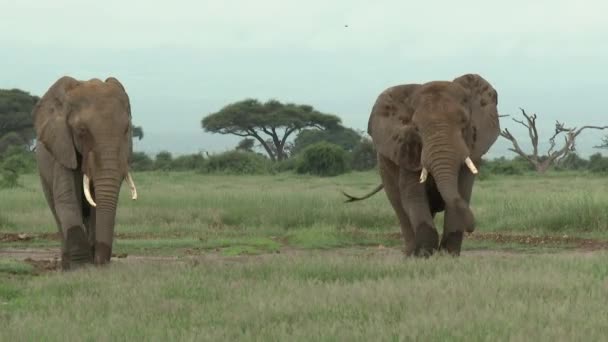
x: 14, y: 267
x: 283, y: 258
x: 210, y: 207
x: 358, y: 295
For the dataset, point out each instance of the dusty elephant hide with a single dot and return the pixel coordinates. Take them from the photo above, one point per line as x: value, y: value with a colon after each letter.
x: 430, y: 139
x: 83, y: 131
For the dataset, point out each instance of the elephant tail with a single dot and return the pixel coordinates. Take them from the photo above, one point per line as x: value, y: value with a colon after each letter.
x: 354, y: 199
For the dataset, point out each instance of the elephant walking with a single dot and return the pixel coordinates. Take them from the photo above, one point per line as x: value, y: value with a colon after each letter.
x: 84, y: 143
x: 429, y: 138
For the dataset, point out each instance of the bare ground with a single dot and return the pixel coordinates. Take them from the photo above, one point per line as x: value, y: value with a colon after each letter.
x: 47, y: 258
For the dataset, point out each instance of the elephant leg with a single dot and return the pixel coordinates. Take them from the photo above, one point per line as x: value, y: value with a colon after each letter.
x: 416, y: 205
x: 67, y: 204
x: 451, y: 241
x: 46, y: 189
x: 390, y: 178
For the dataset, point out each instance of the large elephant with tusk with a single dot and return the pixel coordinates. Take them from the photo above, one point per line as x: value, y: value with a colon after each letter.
x: 84, y: 143
x: 429, y: 137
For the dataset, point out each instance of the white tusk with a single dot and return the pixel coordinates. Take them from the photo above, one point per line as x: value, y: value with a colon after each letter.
x: 423, y: 175
x: 86, y: 185
x: 132, y: 186
x: 470, y: 165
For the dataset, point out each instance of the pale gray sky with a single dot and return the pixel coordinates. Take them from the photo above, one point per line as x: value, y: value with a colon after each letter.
x: 183, y: 59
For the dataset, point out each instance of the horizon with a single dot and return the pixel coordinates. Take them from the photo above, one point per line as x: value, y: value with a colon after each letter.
x: 337, y: 58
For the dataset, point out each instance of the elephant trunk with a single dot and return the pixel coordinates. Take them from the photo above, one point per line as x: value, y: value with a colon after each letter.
x: 445, y: 158
x: 108, y: 180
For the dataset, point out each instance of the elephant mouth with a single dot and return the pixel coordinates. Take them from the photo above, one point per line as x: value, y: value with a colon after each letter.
x: 469, y: 163
x: 86, y: 185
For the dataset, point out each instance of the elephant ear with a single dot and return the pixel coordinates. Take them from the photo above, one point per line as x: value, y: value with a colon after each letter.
x: 391, y: 129
x: 51, y: 122
x: 482, y: 101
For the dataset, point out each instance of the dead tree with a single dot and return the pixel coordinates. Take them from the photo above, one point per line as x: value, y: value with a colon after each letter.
x: 544, y: 162
x: 604, y: 143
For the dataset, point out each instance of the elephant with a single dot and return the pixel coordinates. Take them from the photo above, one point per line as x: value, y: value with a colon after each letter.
x: 83, y: 148
x: 429, y: 140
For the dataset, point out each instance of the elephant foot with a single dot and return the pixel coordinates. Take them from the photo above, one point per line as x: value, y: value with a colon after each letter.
x: 427, y: 240
x: 77, y: 249
x: 452, y: 242
x: 410, y: 247
x: 103, y: 253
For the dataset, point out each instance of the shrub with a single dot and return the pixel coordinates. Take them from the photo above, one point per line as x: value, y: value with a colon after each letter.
x: 289, y: 164
x: 572, y: 162
x: 598, y: 163
x: 364, y: 156
x: 237, y: 162
x: 323, y: 159
x: 503, y: 166
x: 163, y: 160
x: 188, y: 162
x: 15, y: 161
x: 141, y: 162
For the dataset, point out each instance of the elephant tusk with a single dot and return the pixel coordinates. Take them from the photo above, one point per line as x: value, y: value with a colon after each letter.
x: 423, y: 175
x: 86, y: 185
x: 132, y: 186
x: 470, y: 165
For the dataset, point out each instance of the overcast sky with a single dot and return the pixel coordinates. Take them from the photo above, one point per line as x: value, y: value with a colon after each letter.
x: 183, y: 59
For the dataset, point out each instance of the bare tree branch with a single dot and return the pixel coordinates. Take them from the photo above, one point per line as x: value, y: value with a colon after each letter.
x: 542, y: 163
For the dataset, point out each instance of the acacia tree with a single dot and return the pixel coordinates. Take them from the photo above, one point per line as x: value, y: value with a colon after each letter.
x: 543, y: 162
x: 245, y: 145
x: 16, y: 124
x: 344, y: 137
x: 270, y: 123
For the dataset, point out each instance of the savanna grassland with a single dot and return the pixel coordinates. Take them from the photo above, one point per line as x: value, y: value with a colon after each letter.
x: 281, y: 257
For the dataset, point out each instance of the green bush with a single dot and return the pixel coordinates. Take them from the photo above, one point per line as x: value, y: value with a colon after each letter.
x: 503, y: 166
x: 598, y: 163
x: 15, y: 161
x: 289, y: 164
x: 141, y: 162
x: 188, y: 162
x: 364, y: 156
x: 572, y: 162
x: 237, y: 162
x: 163, y: 161
x: 323, y: 159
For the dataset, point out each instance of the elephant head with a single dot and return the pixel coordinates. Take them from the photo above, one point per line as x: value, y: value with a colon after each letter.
x: 438, y: 129
x: 86, y: 126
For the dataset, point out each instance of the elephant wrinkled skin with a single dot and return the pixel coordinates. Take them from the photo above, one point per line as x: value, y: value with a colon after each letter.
x: 429, y: 139
x: 83, y: 131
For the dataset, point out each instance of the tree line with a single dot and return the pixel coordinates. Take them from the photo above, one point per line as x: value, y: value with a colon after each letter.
x: 279, y: 137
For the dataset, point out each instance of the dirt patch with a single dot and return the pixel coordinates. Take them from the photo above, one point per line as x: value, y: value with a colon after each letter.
x: 18, y: 237
x: 45, y: 259
x: 540, y: 240
x: 44, y: 265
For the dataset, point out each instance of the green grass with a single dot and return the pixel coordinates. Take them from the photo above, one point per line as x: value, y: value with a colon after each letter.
x: 207, y: 207
x: 14, y: 267
x: 283, y: 258
x: 353, y: 294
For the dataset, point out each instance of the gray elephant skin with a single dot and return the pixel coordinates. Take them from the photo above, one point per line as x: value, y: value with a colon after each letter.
x: 83, y: 131
x: 429, y: 139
